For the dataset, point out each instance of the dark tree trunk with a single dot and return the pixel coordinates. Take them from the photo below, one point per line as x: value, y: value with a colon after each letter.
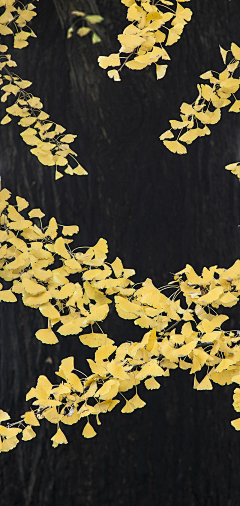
x: 158, y: 211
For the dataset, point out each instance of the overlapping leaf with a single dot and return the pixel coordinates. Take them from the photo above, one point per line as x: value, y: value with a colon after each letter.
x: 196, y: 118
x: 46, y: 138
x: 153, y: 26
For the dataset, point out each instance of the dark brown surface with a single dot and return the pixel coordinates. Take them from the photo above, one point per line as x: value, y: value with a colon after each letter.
x: 158, y: 212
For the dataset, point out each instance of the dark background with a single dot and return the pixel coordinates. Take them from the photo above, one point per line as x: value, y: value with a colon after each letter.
x: 158, y: 211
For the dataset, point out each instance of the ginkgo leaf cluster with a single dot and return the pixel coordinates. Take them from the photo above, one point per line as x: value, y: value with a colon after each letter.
x: 184, y: 328
x: 206, y: 110
x: 88, y: 25
x: 153, y: 26
x: 46, y: 138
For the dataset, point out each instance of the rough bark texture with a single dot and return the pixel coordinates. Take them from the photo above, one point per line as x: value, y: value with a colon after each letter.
x: 158, y: 212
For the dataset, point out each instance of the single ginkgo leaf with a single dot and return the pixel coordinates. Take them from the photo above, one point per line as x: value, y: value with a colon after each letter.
x: 9, y: 444
x: 175, y: 147
x: 4, y: 416
x: 30, y: 418
x: 80, y: 171
x: 94, y: 18
x: 68, y: 138
x: 205, y: 384
x: 235, y: 107
x: 28, y: 433
x: 88, y: 431
x: 36, y: 213
x: 236, y: 423
x: 161, y: 71
x: 59, y: 438
x: 6, y: 120
x: 114, y: 74
x: 58, y: 174
x: 235, y: 51
x: 151, y: 384
x: 70, y: 230
x: 128, y: 408
x: 166, y: 135
x: 7, y: 296
x: 84, y: 30
x: 21, y: 203
x: 46, y: 336
x: 174, y: 34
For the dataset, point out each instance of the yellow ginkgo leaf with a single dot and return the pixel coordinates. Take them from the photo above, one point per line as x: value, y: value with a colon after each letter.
x: 205, y: 384
x: 28, y: 433
x: 4, y: 416
x: 80, y: 171
x: 58, y: 174
x: 130, y: 41
x: 75, y: 382
x: 114, y: 74
x: 49, y: 311
x: 69, y: 329
x: 21, y: 203
x: 236, y: 423
x: 135, y: 65
x: 84, y: 30
x: 30, y: 418
x: 36, y: 213
x: 7, y: 296
x: 235, y: 51
x: 174, y: 34
x: 151, y: 384
x: 235, y: 107
x: 70, y: 230
x: 32, y: 287
x: 46, y: 336
x: 9, y: 444
x: 98, y: 314
x: 88, y: 431
x: 128, y: 408
x: 113, y: 60
x: 104, y: 352
x: 117, y: 371
x: 117, y: 267
x: 60, y: 248
x: 137, y: 401
x: 94, y: 340
x: 211, y: 296
x: 59, y: 438
x: 166, y: 135
x: 6, y: 120
x: 68, y: 138
x: 175, y: 147
x: 161, y: 71
x: 108, y: 390
x: 65, y: 292
x: 66, y: 367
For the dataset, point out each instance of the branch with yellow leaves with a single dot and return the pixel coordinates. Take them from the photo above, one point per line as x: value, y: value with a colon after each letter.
x: 143, y: 41
x: 46, y: 137
x: 206, y: 110
x: 185, y: 327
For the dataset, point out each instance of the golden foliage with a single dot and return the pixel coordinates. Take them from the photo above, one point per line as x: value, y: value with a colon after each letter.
x: 184, y: 329
x: 206, y: 110
x: 46, y: 138
x: 153, y: 26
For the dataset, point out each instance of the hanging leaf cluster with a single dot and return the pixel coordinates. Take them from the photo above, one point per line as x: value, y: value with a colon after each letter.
x: 153, y: 26
x: 88, y: 25
x: 184, y: 328
x: 206, y: 110
x: 46, y: 138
